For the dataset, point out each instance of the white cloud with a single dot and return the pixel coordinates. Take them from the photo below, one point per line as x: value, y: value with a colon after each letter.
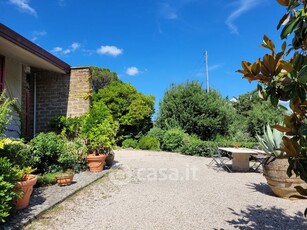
x: 56, y: 49
x: 168, y: 12
x: 243, y: 6
x: 72, y: 48
x: 24, y: 6
x: 67, y: 51
x: 109, y: 50
x: 37, y: 34
x: 75, y: 46
x: 132, y: 71
x: 88, y: 52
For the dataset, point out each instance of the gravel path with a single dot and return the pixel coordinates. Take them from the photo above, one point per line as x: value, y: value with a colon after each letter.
x: 158, y: 190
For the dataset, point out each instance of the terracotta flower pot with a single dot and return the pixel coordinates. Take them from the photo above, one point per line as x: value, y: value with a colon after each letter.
x: 65, y: 179
x: 95, y: 163
x: 276, y: 175
x: 27, y: 189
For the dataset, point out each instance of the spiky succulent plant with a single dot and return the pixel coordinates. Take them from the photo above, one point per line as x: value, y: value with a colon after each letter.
x: 271, y: 142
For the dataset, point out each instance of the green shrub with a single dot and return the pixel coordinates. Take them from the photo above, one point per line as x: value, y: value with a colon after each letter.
x: 149, y: 143
x: 226, y: 143
x: 46, y: 179
x: 173, y: 139
x: 157, y: 133
x: 46, y: 149
x: 73, y: 155
x: 208, y: 148
x: 8, y: 179
x: 99, y: 128
x: 71, y: 126
x: 17, y: 152
x: 130, y: 143
x: 197, y: 147
x: 5, y: 108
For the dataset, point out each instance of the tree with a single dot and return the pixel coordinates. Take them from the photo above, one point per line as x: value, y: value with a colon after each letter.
x: 189, y: 107
x: 102, y: 77
x: 285, y: 80
x: 132, y: 109
x: 256, y: 113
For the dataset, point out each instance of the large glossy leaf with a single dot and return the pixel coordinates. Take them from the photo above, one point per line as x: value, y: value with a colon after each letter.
x: 302, y: 130
x: 290, y: 149
x: 301, y: 93
x: 282, y: 128
x: 298, y: 61
x: 287, y: 66
x: 270, y: 64
x: 289, y: 28
x: 256, y: 68
x: 267, y: 43
x: 302, y: 75
x: 282, y: 20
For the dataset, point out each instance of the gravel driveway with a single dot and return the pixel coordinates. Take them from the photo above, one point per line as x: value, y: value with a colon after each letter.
x: 159, y: 190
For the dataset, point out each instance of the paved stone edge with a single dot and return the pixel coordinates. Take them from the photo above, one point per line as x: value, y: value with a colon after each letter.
x: 27, y: 215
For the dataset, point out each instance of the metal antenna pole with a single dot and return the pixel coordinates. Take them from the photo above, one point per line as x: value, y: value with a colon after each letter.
x: 207, y: 71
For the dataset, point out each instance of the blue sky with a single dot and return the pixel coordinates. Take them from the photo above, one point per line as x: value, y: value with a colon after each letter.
x: 151, y: 43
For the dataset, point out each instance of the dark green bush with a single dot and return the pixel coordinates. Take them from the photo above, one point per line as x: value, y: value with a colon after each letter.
x: 208, y: 148
x: 173, y: 139
x: 130, y: 143
x: 149, y: 143
x: 46, y: 149
x: 156, y: 133
x: 8, y: 179
x: 73, y: 155
x: 70, y: 127
x: 197, y: 147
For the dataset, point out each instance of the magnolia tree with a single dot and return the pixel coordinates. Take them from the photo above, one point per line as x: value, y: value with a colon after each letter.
x: 283, y: 77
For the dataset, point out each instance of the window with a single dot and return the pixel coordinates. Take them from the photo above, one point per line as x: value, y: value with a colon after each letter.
x: 1, y: 73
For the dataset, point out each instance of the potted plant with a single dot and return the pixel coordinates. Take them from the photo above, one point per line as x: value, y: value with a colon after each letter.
x: 71, y: 160
x: 100, y: 139
x: 275, y: 168
x: 65, y: 178
x: 99, y: 129
x: 25, y: 185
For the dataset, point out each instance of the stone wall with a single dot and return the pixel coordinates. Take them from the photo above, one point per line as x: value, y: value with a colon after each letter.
x: 79, y: 92
x: 52, y: 91
x: 59, y: 94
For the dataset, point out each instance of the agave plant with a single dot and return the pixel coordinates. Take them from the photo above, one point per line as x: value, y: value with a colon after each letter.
x: 271, y: 142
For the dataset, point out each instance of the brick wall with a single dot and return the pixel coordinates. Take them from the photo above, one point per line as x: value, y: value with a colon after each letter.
x: 59, y: 94
x: 80, y: 87
x: 52, y: 91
